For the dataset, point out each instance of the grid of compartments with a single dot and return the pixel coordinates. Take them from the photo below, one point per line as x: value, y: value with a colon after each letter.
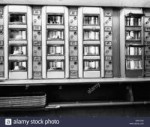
x: 91, y: 43
x: 17, y: 44
x: 134, y: 45
x: 55, y: 25
x: 66, y: 40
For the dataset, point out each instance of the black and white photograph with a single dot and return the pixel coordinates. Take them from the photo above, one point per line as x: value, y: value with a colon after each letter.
x: 73, y: 63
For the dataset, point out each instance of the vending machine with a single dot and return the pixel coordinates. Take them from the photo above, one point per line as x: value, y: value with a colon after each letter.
x: 49, y: 48
x: 91, y: 43
x: 55, y: 42
x: 18, y: 40
x: 133, y: 44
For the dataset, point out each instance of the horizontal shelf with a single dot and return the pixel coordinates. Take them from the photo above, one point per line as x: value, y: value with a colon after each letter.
x: 133, y: 28
x: 91, y: 42
x: 134, y: 56
x: 134, y: 69
x: 18, y: 42
x: 91, y: 103
x: 134, y: 15
x: 20, y: 58
x: 55, y: 57
x: 68, y: 81
x: 135, y: 45
x: 18, y: 26
x: 55, y: 42
x: 91, y: 57
x: 91, y: 27
x: 55, y: 27
x: 133, y: 40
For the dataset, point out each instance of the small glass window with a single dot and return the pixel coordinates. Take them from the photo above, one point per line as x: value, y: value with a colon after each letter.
x: 55, y: 50
x: 91, y: 20
x: 17, y: 18
x: 55, y: 19
x: 90, y: 65
x: 91, y: 35
x: 17, y: 50
x: 133, y: 64
x: 91, y: 50
x: 55, y: 35
x: 133, y: 35
x: 134, y: 51
x: 17, y: 34
x: 133, y: 21
x: 18, y: 66
x: 55, y: 65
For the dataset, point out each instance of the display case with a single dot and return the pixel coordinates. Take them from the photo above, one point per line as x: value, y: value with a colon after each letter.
x: 18, y: 31
x: 91, y: 42
x: 134, y: 44
x: 56, y: 42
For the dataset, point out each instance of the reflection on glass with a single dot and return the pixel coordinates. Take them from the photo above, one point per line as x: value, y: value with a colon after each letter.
x: 18, y: 66
x: 91, y: 20
x: 55, y: 19
x: 55, y: 50
x: 133, y: 21
x: 133, y: 64
x: 55, y: 35
x: 134, y: 51
x: 55, y: 65
x: 17, y: 50
x: 17, y: 18
x: 91, y: 50
x: 91, y: 65
x: 135, y: 35
x: 91, y: 35
x: 17, y: 34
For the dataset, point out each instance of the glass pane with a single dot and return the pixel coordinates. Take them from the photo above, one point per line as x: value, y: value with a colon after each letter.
x: 18, y: 66
x: 135, y: 35
x: 91, y: 65
x: 17, y: 50
x: 55, y: 35
x: 55, y: 65
x: 91, y: 35
x: 133, y: 64
x: 55, y: 19
x: 15, y: 34
x: 55, y: 50
x: 17, y: 18
x: 91, y: 50
x: 91, y: 20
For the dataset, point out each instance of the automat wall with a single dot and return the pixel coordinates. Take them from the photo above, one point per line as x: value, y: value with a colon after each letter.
x: 65, y: 42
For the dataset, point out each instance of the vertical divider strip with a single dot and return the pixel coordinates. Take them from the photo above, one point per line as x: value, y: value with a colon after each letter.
x: 102, y: 40
x: 122, y: 43
x: 66, y: 44
x: 80, y: 42
x: 6, y: 42
x: 29, y: 30
x: 142, y: 39
x: 44, y: 64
